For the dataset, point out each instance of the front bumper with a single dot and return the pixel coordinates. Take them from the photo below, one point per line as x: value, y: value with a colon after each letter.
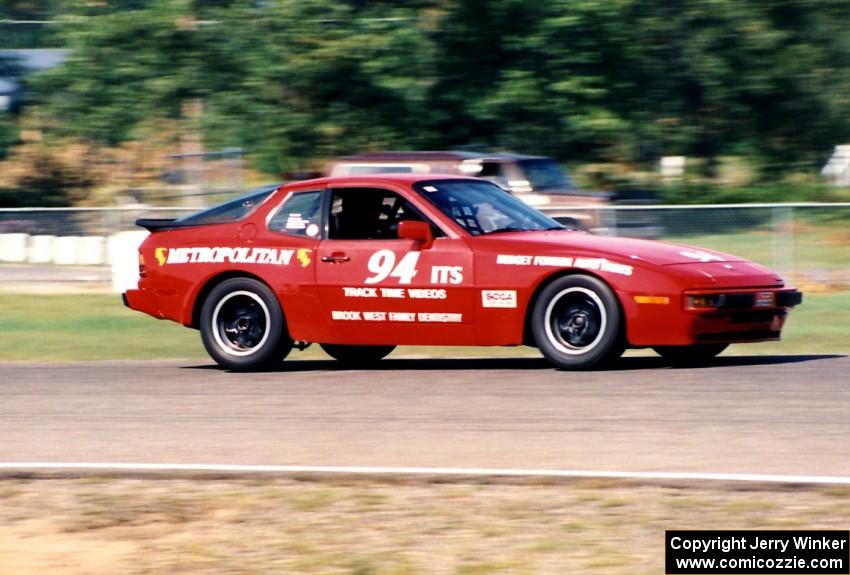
x: 753, y: 299
x: 738, y: 317
x: 729, y: 316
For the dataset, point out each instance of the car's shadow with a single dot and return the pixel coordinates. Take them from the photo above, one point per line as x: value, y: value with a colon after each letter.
x: 526, y: 363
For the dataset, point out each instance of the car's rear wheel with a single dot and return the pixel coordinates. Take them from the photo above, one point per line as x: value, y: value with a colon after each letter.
x: 357, y: 355
x: 577, y: 323
x: 690, y: 354
x: 242, y: 325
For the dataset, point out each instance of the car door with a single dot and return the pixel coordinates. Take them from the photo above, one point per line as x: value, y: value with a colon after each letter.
x: 294, y: 228
x: 376, y: 288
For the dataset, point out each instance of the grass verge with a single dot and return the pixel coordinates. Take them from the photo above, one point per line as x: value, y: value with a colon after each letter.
x: 87, y: 327
x: 103, y: 526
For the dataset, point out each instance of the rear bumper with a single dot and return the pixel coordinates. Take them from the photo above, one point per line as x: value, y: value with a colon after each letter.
x: 143, y: 301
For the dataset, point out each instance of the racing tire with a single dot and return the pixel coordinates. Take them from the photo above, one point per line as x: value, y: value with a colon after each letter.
x: 243, y: 327
x: 357, y: 355
x: 690, y: 354
x: 577, y: 323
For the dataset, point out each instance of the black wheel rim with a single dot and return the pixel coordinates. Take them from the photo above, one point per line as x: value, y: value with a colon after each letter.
x: 240, y: 322
x: 576, y: 320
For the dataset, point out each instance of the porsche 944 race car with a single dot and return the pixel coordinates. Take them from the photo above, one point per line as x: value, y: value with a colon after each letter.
x: 362, y: 264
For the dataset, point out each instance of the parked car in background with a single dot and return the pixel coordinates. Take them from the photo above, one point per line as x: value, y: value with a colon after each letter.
x: 539, y: 181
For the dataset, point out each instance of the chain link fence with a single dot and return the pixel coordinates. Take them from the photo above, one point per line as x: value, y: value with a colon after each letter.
x: 808, y: 244
x: 79, y: 221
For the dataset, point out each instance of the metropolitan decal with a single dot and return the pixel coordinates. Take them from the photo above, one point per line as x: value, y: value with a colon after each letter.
x: 220, y: 255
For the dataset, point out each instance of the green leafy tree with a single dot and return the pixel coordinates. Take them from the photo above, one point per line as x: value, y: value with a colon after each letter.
x: 8, y: 133
x: 624, y: 80
x: 303, y: 80
x: 125, y: 67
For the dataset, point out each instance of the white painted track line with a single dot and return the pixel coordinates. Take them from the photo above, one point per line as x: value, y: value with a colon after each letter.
x: 22, y: 467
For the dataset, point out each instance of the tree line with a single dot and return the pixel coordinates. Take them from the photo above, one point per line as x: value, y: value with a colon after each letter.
x: 583, y: 80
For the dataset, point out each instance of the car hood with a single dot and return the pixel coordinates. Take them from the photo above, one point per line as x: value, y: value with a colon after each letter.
x: 708, y: 267
x: 564, y: 242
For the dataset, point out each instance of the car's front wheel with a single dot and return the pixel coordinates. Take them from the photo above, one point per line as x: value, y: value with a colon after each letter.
x: 690, y: 354
x: 577, y: 323
x: 242, y: 325
x: 357, y: 355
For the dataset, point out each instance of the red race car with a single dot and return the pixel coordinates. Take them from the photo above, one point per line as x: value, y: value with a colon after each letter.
x: 361, y: 264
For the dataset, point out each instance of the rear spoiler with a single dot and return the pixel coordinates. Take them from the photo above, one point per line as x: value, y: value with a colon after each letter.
x: 154, y: 225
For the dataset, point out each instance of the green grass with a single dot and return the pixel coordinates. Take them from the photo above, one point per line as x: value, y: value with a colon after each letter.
x: 817, y: 326
x: 98, y: 327
x: 226, y: 526
x: 88, y: 327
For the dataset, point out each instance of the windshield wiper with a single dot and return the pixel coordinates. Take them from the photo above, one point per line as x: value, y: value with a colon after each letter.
x: 506, y: 229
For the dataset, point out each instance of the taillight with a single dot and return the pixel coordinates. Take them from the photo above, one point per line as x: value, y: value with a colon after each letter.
x: 143, y: 272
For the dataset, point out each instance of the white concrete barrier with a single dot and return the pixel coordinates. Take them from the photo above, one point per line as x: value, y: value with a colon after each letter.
x: 124, y: 255
x: 64, y: 250
x: 91, y: 250
x: 40, y: 249
x: 13, y: 247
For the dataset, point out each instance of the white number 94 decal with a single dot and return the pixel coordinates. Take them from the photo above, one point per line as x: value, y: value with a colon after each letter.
x: 382, y: 265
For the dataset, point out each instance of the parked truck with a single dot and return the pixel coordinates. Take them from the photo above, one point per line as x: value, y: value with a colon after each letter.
x: 539, y: 181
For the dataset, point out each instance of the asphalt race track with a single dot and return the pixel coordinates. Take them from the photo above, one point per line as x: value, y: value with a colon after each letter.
x: 775, y: 415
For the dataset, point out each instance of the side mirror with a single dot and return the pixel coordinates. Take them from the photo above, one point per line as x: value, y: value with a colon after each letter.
x: 416, y: 231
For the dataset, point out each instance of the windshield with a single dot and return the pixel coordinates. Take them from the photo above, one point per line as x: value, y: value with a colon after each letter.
x: 481, y: 207
x: 231, y: 210
x: 546, y: 174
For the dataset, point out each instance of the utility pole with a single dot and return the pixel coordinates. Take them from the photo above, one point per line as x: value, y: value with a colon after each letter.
x: 191, y: 142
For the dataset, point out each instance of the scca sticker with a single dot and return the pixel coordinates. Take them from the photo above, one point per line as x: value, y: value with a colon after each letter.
x: 219, y: 255
x: 498, y: 298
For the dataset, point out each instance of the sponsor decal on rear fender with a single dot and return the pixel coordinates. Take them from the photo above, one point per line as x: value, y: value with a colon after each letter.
x: 219, y: 255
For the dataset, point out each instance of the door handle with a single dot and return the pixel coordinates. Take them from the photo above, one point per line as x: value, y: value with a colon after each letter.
x: 336, y: 258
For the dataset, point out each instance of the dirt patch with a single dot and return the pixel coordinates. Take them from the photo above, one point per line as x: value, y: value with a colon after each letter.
x: 94, y: 526
x: 839, y: 238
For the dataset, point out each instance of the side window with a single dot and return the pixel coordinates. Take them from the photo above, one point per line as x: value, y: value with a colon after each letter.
x: 300, y: 215
x: 369, y: 214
